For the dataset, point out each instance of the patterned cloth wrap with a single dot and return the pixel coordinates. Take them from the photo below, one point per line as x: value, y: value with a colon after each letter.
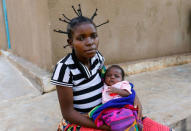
x: 67, y: 126
x: 119, y: 114
x: 148, y: 124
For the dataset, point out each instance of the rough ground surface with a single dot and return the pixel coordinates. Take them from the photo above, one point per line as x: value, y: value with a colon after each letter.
x: 165, y: 96
x: 12, y: 83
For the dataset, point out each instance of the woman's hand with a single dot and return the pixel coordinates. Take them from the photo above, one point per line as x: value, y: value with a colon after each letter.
x: 137, y: 104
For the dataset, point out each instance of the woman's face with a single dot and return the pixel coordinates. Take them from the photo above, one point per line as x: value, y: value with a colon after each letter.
x: 113, y: 76
x: 85, y: 41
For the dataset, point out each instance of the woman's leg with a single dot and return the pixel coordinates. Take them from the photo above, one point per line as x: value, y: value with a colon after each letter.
x: 151, y: 125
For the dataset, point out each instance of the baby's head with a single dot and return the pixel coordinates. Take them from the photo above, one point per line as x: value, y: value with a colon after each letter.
x: 113, y: 75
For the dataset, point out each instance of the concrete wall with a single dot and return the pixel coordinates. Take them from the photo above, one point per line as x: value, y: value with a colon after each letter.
x: 29, y: 31
x: 3, y: 39
x: 138, y: 29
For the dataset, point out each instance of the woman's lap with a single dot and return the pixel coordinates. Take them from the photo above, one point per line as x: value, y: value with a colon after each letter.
x: 148, y: 125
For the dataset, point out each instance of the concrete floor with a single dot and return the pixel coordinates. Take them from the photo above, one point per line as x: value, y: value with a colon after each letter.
x: 12, y: 83
x: 165, y: 96
x: 22, y: 107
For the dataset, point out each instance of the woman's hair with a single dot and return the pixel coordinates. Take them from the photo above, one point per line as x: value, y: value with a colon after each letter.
x: 76, y: 21
x: 118, y: 67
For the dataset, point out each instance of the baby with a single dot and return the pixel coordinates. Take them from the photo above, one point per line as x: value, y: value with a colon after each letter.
x: 117, y: 110
x: 115, y: 86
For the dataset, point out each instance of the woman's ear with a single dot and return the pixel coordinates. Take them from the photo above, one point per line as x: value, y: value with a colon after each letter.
x: 70, y: 42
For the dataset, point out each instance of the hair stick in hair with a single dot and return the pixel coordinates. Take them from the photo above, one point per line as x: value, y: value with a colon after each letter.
x: 80, y: 10
x: 103, y: 23
x: 66, y: 17
x: 64, y: 21
x: 94, y: 14
x: 60, y: 31
x: 75, y: 11
x: 66, y: 45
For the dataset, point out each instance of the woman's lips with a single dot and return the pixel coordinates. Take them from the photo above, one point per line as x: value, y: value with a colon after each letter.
x: 90, y: 51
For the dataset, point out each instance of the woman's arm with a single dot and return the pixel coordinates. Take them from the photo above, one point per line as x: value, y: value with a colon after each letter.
x: 137, y: 104
x: 65, y: 96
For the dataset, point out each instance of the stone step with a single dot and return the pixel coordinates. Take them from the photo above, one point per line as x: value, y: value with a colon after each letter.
x: 40, y: 78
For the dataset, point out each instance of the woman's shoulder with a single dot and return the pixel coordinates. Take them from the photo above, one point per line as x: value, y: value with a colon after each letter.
x: 61, y: 74
x: 67, y: 60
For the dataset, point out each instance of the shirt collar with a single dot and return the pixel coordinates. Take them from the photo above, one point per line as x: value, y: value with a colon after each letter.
x: 80, y: 66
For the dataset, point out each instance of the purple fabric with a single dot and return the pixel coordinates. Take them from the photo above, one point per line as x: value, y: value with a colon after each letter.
x: 119, y: 119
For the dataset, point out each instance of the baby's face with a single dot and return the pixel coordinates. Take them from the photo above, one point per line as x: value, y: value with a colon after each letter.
x: 113, y: 76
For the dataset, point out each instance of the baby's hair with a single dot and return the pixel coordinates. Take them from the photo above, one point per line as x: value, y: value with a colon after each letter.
x: 118, y: 67
x: 72, y: 23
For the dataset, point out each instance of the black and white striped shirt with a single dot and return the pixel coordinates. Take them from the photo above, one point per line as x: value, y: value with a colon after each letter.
x: 86, y: 83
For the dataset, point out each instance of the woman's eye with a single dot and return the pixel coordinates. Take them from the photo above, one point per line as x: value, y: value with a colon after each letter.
x: 94, y: 36
x: 80, y: 38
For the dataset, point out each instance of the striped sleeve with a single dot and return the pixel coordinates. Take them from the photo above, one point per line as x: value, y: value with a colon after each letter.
x: 62, y: 76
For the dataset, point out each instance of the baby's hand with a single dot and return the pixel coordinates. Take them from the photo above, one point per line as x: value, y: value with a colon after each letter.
x: 113, y: 90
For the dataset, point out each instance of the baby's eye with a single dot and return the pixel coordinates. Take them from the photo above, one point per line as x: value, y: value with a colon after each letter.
x: 117, y: 76
x: 94, y: 35
x: 108, y: 75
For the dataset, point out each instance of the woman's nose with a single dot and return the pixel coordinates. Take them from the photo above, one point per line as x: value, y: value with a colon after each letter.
x: 89, y: 41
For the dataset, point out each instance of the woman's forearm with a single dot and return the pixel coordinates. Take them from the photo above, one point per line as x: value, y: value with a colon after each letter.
x: 137, y: 103
x: 82, y: 120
